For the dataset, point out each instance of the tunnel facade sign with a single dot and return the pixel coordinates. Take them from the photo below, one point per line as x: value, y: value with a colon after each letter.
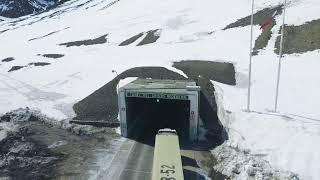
x: 157, y: 95
x: 146, y: 103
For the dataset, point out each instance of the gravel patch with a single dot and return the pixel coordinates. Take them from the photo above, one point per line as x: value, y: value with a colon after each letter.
x: 300, y: 39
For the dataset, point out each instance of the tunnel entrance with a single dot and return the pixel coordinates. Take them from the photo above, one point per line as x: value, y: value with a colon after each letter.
x: 145, y: 116
x: 147, y: 105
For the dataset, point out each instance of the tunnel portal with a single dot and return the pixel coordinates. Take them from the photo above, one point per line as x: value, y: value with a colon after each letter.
x: 147, y: 105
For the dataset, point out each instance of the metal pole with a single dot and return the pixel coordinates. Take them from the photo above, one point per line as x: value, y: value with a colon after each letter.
x: 280, y: 55
x: 249, y: 85
x: 114, y: 71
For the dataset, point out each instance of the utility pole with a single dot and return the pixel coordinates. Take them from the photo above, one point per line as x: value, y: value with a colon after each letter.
x: 249, y: 85
x: 114, y: 71
x: 280, y: 55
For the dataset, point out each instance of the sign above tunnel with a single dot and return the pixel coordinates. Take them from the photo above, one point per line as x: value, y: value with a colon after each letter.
x: 157, y: 95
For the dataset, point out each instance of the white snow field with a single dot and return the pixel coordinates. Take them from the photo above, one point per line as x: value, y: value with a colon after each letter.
x: 289, y: 140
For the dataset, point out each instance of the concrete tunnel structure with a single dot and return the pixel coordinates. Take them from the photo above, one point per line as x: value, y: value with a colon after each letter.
x: 147, y: 105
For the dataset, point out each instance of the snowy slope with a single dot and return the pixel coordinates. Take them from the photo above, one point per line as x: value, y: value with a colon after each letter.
x: 287, y: 140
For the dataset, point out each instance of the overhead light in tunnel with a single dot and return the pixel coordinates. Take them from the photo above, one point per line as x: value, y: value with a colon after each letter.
x: 158, y: 100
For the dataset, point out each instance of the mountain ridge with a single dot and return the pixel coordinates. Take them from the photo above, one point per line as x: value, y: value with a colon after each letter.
x: 18, y: 8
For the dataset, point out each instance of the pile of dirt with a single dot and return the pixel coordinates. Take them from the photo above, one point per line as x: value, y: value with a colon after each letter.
x: 20, y: 156
x: 43, y: 148
x: 15, y: 68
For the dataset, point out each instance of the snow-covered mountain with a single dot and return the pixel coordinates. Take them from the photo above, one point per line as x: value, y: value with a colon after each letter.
x: 52, y: 60
x: 17, y: 8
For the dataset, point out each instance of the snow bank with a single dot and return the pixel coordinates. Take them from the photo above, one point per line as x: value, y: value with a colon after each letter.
x: 287, y: 142
x: 239, y: 165
x: 126, y: 81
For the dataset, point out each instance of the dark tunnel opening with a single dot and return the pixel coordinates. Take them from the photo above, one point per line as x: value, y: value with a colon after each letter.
x: 145, y: 116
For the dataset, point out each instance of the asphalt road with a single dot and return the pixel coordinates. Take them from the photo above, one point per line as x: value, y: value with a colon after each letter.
x: 139, y: 163
x: 134, y: 162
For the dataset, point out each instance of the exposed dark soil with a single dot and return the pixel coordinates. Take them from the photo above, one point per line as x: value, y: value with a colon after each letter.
x: 15, y: 68
x: 39, y: 64
x: 23, y: 158
x: 259, y: 18
x: 131, y: 40
x: 216, y: 134
x: 262, y: 41
x: 300, y: 39
x: 8, y: 59
x: 221, y: 72
x: 99, y: 40
x: 202, y: 72
x: 54, y: 56
x: 151, y: 37
x: 40, y: 150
